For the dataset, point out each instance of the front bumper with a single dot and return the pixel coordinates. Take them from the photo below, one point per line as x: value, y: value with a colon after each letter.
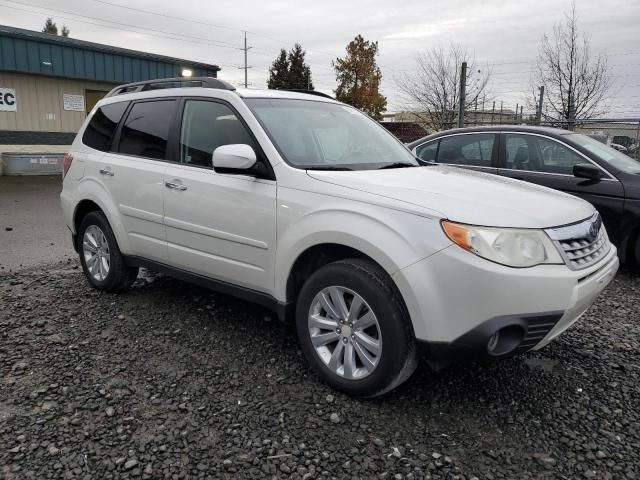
x: 458, y: 301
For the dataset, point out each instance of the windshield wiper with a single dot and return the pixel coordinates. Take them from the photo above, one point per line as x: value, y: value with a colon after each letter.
x: 397, y: 165
x: 327, y: 167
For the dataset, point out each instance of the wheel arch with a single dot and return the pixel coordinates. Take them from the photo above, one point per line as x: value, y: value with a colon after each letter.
x: 97, y: 199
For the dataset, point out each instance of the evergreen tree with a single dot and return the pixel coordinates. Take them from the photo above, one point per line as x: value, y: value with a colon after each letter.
x: 299, y: 72
x: 50, y: 27
x: 289, y: 71
x: 359, y: 78
x: 279, y: 72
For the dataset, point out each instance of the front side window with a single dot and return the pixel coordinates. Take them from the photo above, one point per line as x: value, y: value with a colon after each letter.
x: 146, y: 129
x: 323, y: 135
x: 471, y: 149
x: 540, y: 154
x: 427, y: 152
x: 606, y: 154
x: 102, y: 126
x: 206, y: 126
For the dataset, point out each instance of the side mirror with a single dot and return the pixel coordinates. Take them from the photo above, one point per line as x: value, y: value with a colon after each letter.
x: 588, y: 171
x: 233, y: 158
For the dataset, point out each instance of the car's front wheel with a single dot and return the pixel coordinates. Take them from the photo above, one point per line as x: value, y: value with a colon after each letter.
x: 354, y: 329
x: 103, y: 264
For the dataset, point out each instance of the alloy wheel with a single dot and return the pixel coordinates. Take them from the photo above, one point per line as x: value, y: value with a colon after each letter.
x: 95, y: 249
x: 345, y: 332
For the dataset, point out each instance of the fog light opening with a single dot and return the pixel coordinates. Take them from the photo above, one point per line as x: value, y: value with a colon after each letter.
x: 505, y: 340
x: 493, y: 342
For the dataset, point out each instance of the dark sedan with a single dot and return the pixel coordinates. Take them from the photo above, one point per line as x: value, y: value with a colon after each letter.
x: 555, y: 158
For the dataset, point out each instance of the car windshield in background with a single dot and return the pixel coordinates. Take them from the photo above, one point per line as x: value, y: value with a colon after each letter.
x: 321, y: 135
x: 607, y: 154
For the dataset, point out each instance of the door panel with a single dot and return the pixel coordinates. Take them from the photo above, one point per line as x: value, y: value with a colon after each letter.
x: 221, y: 226
x: 135, y: 175
x: 136, y: 185
x: 546, y: 162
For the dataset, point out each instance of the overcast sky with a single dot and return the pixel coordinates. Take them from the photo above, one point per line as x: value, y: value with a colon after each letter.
x: 504, y: 35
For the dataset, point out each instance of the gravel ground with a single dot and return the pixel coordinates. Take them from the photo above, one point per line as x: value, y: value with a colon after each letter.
x: 172, y: 381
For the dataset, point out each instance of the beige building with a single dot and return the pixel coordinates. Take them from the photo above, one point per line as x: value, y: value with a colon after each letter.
x: 49, y: 83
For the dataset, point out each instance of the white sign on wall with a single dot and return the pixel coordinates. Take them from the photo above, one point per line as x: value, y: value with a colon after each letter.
x: 8, y: 101
x: 72, y: 102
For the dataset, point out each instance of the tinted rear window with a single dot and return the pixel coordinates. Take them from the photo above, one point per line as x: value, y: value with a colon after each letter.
x: 146, y: 129
x: 99, y: 133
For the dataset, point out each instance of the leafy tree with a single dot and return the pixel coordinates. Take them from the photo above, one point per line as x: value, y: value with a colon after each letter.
x: 50, y: 27
x: 279, y: 72
x: 575, y: 82
x: 65, y: 31
x: 289, y: 71
x: 359, y: 78
x: 299, y: 72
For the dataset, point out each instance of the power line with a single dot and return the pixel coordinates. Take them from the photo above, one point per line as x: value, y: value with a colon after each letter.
x: 157, y: 33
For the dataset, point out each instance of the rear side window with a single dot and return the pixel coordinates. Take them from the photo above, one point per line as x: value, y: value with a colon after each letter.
x: 472, y: 149
x: 102, y: 126
x: 146, y: 129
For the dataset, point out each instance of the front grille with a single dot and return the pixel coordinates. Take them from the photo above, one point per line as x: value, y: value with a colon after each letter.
x: 537, y: 329
x: 582, y: 244
x: 581, y: 253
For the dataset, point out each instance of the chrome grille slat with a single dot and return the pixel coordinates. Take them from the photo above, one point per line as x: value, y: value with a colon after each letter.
x: 583, y: 244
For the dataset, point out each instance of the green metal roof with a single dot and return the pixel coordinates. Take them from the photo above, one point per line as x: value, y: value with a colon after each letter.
x: 27, y: 51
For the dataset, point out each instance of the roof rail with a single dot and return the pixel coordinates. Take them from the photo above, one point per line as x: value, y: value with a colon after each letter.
x: 177, y: 82
x: 308, y: 92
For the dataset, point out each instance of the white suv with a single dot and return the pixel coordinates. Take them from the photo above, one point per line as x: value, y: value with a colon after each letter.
x: 309, y: 207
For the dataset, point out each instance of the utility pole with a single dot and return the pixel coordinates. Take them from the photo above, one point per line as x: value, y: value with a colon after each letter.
x: 246, y: 67
x: 463, y: 93
x: 516, y: 119
x: 539, y: 112
x: 493, y: 110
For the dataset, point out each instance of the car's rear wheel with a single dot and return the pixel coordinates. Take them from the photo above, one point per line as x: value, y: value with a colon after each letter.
x: 354, y: 329
x: 102, y: 263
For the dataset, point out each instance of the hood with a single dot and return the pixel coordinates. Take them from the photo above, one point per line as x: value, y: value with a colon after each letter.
x: 467, y: 196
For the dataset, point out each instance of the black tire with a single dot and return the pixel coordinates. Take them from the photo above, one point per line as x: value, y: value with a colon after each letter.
x: 635, y: 254
x: 398, y: 357
x: 120, y: 276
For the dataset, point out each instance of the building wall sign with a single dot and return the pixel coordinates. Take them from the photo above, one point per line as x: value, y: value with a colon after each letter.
x: 8, y: 101
x: 72, y: 102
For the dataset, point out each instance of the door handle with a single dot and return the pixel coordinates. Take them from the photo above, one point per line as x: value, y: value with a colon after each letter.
x: 175, y: 185
x: 106, y: 171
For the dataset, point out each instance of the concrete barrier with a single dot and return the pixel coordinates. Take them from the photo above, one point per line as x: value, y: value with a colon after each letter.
x: 19, y: 163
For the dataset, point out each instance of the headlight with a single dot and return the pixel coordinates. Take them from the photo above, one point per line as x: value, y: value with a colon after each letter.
x: 513, y: 247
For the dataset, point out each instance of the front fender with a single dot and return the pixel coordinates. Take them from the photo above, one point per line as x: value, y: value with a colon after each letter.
x: 392, y: 238
x: 90, y: 189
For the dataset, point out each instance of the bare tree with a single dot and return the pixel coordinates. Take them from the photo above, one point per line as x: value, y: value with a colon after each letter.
x: 575, y: 82
x: 432, y: 91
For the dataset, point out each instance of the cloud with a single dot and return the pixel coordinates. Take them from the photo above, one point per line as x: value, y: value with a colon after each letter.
x: 498, y: 32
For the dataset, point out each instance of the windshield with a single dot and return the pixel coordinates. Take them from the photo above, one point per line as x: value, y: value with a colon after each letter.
x: 321, y: 135
x: 607, y: 154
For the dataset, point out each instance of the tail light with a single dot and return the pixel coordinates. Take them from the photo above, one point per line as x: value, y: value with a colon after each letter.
x: 66, y: 164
